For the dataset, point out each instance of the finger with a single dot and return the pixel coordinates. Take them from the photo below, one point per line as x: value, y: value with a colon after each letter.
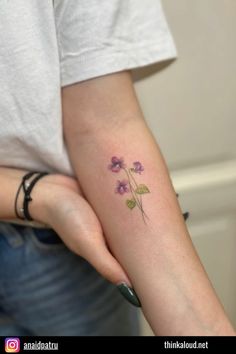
x: 98, y: 255
x: 106, y: 264
x: 91, y: 245
x: 81, y: 231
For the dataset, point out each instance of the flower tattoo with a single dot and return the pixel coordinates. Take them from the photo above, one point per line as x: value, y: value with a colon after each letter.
x: 116, y: 164
x: 130, y: 185
x: 122, y: 187
x: 138, y: 168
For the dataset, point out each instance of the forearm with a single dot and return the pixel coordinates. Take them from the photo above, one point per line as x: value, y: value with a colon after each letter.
x: 158, y: 255
x: 10, y: 180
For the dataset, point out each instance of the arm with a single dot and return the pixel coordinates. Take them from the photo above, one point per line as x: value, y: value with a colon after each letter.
x: 102, y: 119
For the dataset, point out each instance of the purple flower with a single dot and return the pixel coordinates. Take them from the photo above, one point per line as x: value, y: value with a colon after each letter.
x: 116, y: 164
x: 138, y: 167
x: 122, y: 187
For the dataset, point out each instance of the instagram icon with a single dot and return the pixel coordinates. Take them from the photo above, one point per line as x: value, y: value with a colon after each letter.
x: 12, y: 345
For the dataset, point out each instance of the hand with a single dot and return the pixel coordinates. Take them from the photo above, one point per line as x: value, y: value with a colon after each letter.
x: 58, y: 202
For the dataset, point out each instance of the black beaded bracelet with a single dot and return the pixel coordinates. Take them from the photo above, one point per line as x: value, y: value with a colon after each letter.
x: 27, y: 198
x: 27, y: 189
x: 27, y: 176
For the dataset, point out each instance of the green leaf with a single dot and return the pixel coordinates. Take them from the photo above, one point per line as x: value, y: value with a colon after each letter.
x: 142, y: 189
x: 131, y: 203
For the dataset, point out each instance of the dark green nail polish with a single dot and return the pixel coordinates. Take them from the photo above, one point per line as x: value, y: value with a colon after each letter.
x: 186, y: 215
x: 129, y: 294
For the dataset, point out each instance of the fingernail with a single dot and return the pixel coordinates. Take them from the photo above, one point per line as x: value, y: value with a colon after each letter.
x: 186, y: 215
x: 129, y: 294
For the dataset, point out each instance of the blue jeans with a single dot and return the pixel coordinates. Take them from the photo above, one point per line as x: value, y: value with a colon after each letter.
x: 47, y: 290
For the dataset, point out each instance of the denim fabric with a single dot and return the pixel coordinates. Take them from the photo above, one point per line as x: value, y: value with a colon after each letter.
x: 47, y: 290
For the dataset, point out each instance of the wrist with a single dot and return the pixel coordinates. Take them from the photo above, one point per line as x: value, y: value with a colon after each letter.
x: 44, y: 194
x: 48, y: 192
x: 43, y: 199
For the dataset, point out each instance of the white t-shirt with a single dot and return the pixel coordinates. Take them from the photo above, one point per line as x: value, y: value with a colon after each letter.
x: 45, y: 45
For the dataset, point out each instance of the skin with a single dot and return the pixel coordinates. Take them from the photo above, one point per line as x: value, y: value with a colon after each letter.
x: 102, y: 119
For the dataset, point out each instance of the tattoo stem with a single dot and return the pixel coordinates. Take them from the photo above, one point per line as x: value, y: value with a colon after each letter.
x: 130, y: 173
x: 139, y: 203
